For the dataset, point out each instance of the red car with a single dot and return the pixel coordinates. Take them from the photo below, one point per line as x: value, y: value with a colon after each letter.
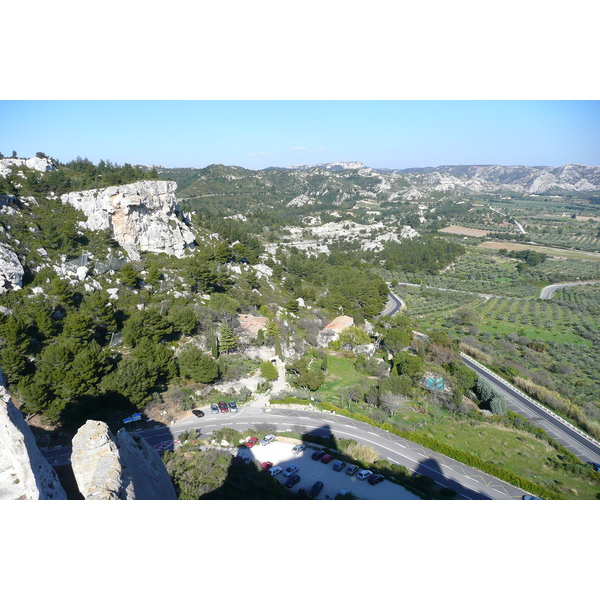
x: 251, y: 442
x: 223, y: 407
x: 266, y: 465
x: 327, y: 458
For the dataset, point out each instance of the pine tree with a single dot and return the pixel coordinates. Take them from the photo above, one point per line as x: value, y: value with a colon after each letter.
x: 13, y: 364
x: 227, y: 341
x: 63, y: 291
x: 271, y: 331
x: 128, y: 275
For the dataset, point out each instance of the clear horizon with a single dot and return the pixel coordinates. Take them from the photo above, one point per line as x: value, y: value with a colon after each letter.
x: 257, y: 134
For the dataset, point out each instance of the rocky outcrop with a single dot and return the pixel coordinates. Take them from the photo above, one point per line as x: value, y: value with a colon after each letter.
x: 11, y: 270
x: 141, y: 216
x: 24, y: 473
x: 37, y: 164
x: 121, y: 467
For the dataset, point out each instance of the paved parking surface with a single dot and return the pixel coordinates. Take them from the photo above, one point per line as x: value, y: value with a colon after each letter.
x: 280, y: 454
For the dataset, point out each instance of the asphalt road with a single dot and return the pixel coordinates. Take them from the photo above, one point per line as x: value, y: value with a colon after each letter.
x: 547, y: 292
x: 467, y: 482
x: 573, y: 439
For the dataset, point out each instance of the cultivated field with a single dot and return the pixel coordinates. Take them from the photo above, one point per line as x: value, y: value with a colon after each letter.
x: 459, y: 230
x: 558, y: 252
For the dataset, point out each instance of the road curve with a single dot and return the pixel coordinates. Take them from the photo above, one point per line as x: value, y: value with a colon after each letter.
x: 586, y: 448
x: 547, y: 292
x: 468, y: 483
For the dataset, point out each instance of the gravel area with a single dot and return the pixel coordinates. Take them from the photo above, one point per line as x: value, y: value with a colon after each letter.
x: 280, y: 454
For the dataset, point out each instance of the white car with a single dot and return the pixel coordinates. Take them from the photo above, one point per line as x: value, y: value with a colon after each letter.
x: 275, y: 471
x: 298, y: 448
x: 290, y: 470
x: 364, y: 474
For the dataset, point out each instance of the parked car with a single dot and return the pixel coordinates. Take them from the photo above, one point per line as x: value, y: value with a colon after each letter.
x: 292, y: 481
x: 290, y: 470
x: 266, y: 465
x: 326, y: 458
x: 351, y: 469
x: 298, y: 448
x: 364, y: 474
x: 214, y: 409
x: 251, y: 442
x: 375, y: 479
x: 275, y: 471
x: 315, y: 490
x: 528, y: 497
x: 267, y: 439
x: 317, y: 454
x: 595, y: 466
x: 339, y: 465
x: 223, y: 407
x: 232, y: 406
x: 198, y: 413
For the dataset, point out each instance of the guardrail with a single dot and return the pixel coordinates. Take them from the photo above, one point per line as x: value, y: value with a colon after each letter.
x: 534, y: 402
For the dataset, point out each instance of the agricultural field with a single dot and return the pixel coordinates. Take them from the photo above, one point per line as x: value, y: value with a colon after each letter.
x: 469, y: 231
x: 557, y: 252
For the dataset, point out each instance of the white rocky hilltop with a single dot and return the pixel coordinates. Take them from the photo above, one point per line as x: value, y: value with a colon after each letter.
x: 143, y: 215
x: 121, y: 467
x: 24, y: 472
x: 37, y: 164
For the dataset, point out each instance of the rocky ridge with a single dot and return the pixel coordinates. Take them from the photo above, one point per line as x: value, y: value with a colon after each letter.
x: 143, y: 216
x: 37, y: 164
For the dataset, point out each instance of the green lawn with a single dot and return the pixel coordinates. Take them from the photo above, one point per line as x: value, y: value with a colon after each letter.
x: 340, y: 374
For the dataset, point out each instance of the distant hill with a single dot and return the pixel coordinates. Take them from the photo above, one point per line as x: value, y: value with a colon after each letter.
x: 337, y: 181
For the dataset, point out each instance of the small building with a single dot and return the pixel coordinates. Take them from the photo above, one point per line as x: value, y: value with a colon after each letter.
x: 251, y: 324
x: 331, y: 331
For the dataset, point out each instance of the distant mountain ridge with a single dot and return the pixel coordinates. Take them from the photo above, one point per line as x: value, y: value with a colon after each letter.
x: 346, y: 179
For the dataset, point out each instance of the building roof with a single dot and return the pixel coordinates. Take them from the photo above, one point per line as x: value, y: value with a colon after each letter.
x: 338, y: 324
x: 252, y: 324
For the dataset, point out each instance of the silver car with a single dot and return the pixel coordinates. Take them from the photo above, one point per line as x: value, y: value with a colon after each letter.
x: 267, y: 439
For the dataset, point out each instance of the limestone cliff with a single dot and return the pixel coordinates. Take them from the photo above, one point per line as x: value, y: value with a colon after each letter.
x: 121, y: 467
x: 24, y: 473
x: 141, y: 216
x: 11, y: 270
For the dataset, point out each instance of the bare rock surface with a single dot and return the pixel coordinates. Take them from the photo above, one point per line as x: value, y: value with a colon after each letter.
x: 11, y: 270
x: 121, y: 467
x: 142, y: 216
x: 24, y: 473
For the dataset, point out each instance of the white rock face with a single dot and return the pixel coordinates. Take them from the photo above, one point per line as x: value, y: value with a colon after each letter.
x: 11, y: 270
x: 141, y: 216
x: 121, y: 467
x: 37, y: 164
x: 24, y: 473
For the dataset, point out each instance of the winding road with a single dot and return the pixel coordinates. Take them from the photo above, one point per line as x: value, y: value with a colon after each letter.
x: 468, y: 483
x: 586, y: 448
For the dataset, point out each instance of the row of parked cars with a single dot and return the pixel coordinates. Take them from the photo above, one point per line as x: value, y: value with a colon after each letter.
x: 291, y: 472
x: 215, y: 409
x: 340, y: 465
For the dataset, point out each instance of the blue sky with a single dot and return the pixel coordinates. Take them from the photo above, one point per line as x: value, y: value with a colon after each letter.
x: 257, y: 133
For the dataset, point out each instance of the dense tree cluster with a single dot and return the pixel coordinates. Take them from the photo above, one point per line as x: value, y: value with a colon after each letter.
x: 425, y: 255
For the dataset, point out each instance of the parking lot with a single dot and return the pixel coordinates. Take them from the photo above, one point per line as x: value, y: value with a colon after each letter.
x: 280, y: 454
